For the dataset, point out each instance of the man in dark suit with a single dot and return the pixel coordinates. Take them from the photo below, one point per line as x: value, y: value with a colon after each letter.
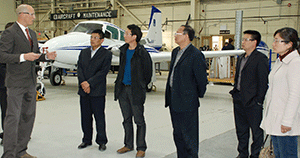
x: 20, y: 81
x: 185, y: 85
x: 3, y: 95
x: 250, y: 86
x: 228, y: 46
x: 93, y: 66
x: 134, y: 75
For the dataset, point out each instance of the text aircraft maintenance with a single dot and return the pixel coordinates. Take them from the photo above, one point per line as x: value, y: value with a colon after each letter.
x: 69, y: 46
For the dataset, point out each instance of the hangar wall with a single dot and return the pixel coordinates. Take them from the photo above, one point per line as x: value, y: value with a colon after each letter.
x: 270, y: 13
x: 266, y: 16
x: 8, y: 13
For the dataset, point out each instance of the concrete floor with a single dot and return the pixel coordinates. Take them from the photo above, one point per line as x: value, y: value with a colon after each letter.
x: 57, y: 131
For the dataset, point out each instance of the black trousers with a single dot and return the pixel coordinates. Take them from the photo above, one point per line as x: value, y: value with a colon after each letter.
x: 247, y: 118
x: 93, y: 106
x: 130, y: 110
x: 186, y: 133
x: 3, y: 102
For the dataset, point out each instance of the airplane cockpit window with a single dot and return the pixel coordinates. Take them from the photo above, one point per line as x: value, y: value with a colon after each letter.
x: 122, y: 35
x: 107, y: 34
x: 114, y: 32
x: 87, y: 27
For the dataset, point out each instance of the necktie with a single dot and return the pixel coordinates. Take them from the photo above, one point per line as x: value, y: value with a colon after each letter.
x: 29, y: 39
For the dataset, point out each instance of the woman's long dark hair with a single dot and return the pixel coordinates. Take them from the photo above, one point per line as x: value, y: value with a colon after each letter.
x: 289, y: 35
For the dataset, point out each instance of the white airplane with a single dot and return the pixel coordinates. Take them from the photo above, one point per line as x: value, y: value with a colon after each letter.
x: 69, y: 46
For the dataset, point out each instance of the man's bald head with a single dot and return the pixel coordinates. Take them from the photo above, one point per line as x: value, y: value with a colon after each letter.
x: 25, y: 14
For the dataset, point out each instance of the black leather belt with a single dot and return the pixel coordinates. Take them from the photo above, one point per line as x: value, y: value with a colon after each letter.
x: 127, y: 85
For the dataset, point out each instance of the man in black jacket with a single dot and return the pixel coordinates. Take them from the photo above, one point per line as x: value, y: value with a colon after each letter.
x: 250, y: 86
x: 185, y: 85
x: 228, y: 46
x: 3, y: 95
x: 93, y: 66
x: 134, y: 75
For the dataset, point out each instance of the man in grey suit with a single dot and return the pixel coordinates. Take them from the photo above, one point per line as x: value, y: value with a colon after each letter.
x: 93, y: 66
x: 19, y: 50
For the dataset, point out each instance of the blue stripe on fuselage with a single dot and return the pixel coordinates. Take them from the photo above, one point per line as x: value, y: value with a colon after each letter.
x: 76, y: 47
x: 150, y: 50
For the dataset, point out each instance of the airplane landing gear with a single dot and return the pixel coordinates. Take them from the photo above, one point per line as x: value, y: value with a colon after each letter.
x: 41, y: 89
x: 40, y: 92
x: 56, y: 78
x: 151, y: 87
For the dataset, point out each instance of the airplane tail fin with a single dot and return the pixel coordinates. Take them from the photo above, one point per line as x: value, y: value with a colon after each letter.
x: 154, y: 36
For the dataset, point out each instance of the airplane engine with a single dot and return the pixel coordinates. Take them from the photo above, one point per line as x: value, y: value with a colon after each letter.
x: 115, y: 51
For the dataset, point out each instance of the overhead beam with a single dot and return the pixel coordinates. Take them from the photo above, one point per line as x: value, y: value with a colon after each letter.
x: 158, y: 3
x: 130, y: 13
x: 43, y: 18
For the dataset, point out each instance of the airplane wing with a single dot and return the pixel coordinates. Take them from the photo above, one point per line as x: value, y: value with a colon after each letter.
x: 161, y: 56
x: 166, y: 56
x: 211, y: 54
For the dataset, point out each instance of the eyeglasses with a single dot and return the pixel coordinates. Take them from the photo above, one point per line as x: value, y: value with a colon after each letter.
x: 279, y: 41
x: 95, y: 37
x: 32, y: 14
x: 247, y: 39
x: 177, y: 34
x: 128, y: 34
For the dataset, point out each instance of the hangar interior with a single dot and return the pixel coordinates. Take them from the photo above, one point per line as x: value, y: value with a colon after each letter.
x: 57, y: 130
x: 208, y: 17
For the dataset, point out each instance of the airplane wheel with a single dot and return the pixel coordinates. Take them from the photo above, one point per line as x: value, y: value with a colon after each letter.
x: 42, y: 91
x: 55, y: 78
x: 149, y: 87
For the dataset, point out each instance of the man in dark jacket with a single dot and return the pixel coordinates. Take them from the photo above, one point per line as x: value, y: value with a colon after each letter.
x: 134, y: 75
x: 228, y: 46
x: 93, y: 66
x: 250, y: 87
x: 3, y: 95
x: 185, y: 85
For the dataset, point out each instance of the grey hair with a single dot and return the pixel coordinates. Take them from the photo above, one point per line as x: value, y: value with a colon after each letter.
x: 22, y: 8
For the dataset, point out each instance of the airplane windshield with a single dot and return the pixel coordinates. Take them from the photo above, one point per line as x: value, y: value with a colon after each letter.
x: 87, y: 27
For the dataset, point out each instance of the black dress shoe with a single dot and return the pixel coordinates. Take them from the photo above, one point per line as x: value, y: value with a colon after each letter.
x: 84, y: 145
x: 102, y: 147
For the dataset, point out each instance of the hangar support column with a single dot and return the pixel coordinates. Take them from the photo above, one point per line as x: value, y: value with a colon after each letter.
x: 53, y: 23
x: 112, y: 2
x: 195, y: 7
x: 298, y: 19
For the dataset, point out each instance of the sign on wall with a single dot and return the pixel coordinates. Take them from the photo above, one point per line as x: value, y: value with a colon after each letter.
x: 224, y: 31
x: 84, y: 15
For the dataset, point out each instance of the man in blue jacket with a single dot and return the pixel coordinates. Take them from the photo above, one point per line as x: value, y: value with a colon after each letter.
x: 185, y: 85
x: 93, y: 66
x: 134, y: 75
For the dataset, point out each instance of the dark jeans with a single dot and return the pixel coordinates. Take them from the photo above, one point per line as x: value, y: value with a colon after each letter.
x: 93, y: 106
x: 3, y: 102
x: 247, y: 118
x: 186, y: 133
x: 137, y: 112
x: 285, y: 146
